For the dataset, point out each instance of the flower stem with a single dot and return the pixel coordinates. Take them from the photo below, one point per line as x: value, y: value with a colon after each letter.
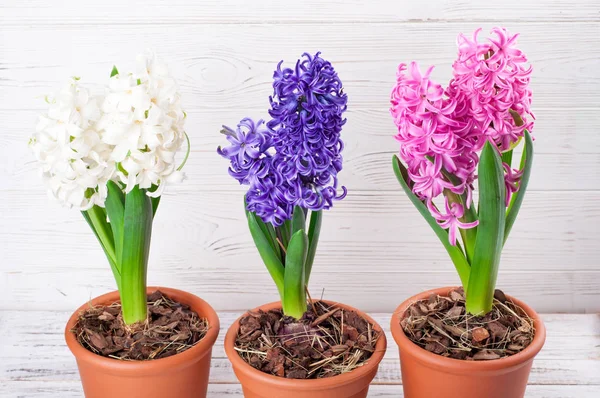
x: 294, y: 291
x: 136, y: 247
x: 490, y: 234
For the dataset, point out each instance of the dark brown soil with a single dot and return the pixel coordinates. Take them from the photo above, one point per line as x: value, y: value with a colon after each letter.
x: 442, y: 326
x: 171, y: 328
x: 327, y: 341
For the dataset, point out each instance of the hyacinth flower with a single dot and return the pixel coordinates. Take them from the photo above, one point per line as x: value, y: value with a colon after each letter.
x: 111, y: 157
x: 452, y: 136
x: 290, y: 164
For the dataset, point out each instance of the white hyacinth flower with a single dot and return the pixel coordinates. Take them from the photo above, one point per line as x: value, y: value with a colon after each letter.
x: 73, y: 157
x: 143, y: 120
x: 130, y: 135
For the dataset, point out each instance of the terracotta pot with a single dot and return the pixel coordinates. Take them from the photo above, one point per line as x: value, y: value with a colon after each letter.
x: 426, y: 375
x: 184, y: 375
x: 257, y: 384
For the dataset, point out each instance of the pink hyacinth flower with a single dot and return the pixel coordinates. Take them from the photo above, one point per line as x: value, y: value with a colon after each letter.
x: 511, y: 181
x: 450, y: 220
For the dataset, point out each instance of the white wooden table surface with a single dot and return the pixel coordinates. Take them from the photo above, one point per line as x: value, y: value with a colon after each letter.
x: 35, y: 362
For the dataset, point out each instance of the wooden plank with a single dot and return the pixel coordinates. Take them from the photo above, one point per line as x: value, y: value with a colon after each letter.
x: 557, y: 130
x: 230, y: 66
x: 367, y: 256
x: 37, y: 362
x: 234, y: 289
x: 567, y: 151
x: 72, y: 389
x: 365, y: 224
x: 265, y: 11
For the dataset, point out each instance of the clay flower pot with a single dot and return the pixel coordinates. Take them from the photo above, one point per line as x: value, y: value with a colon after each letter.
x: 257, y: 384
x: 183, y: 375
x: 426, y: 375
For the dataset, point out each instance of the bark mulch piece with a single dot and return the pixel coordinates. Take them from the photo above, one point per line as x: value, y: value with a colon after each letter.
x: 325, y: 342
x: 171, y: 328
x: 442, y: 326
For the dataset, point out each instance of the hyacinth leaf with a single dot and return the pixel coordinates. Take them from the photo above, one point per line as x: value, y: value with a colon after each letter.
x: 269, y: 256
x: 314, y: 230
x: 470, y: 234
x: 285, y: 230
x: 187, y: 153
x: 114, y: 71
x: 455, y: 252
x: 298, y: 220
x: 507, y: 157
x: 294, y: 299
x: 97, y: 219
x: 490, y: 234
x: 137, y: 231
x: 115, y: 209
x: 112, y: 260
x: 155, y: 200
x: 269, y: 233
x: 267, y: 229
x: 517, y: 199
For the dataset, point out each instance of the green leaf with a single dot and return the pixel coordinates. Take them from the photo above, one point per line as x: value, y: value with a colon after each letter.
x: 96, y: 218
x: 108, y: 249
x: 517, y: 199
x: 490, y: 234
x: 468, y: 235
x: 269, y: 256
x: 507, y: 157
x: 155, y: 200
x: 114, y: 71
x: 267, y: 229
x: 136, y: 247
x: 115, y: 209
x: 456, y: 254
x: 298, y: 219
x: 294, y: 299
x: 314, y: 230
x: 285, y: 230
x: 269, y: 233
x: 187, y: 153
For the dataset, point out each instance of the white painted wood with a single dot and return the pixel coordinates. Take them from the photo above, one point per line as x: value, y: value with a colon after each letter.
x: 36, y: 363
x: 567, y: 148
x: 266, y: 11
x: 231, y: 66
x: 376, y: 250
x: 72, y: 389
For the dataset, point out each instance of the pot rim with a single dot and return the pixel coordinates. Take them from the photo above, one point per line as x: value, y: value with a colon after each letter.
x: 312, y: 384
x: 458, y: 365
x: 143, y: 368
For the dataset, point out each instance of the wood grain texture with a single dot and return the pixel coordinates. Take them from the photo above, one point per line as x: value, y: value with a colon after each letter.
x: 567, y: 151
x: 230, y: 67
x: 267, y: 11
x: 376, y: 250
x: 72, y: 389
x: 37, y: 364
x: 375, y: 244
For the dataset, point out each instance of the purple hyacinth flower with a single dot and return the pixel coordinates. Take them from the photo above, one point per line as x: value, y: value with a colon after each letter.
x: 294, y: 159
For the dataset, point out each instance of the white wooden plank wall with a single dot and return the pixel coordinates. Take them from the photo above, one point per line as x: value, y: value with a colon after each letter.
x: 376, y: 250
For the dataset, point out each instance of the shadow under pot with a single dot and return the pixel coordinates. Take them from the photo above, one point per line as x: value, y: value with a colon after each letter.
x: 183, y: 375
x: 258, y: 384
x: 426, y: 375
